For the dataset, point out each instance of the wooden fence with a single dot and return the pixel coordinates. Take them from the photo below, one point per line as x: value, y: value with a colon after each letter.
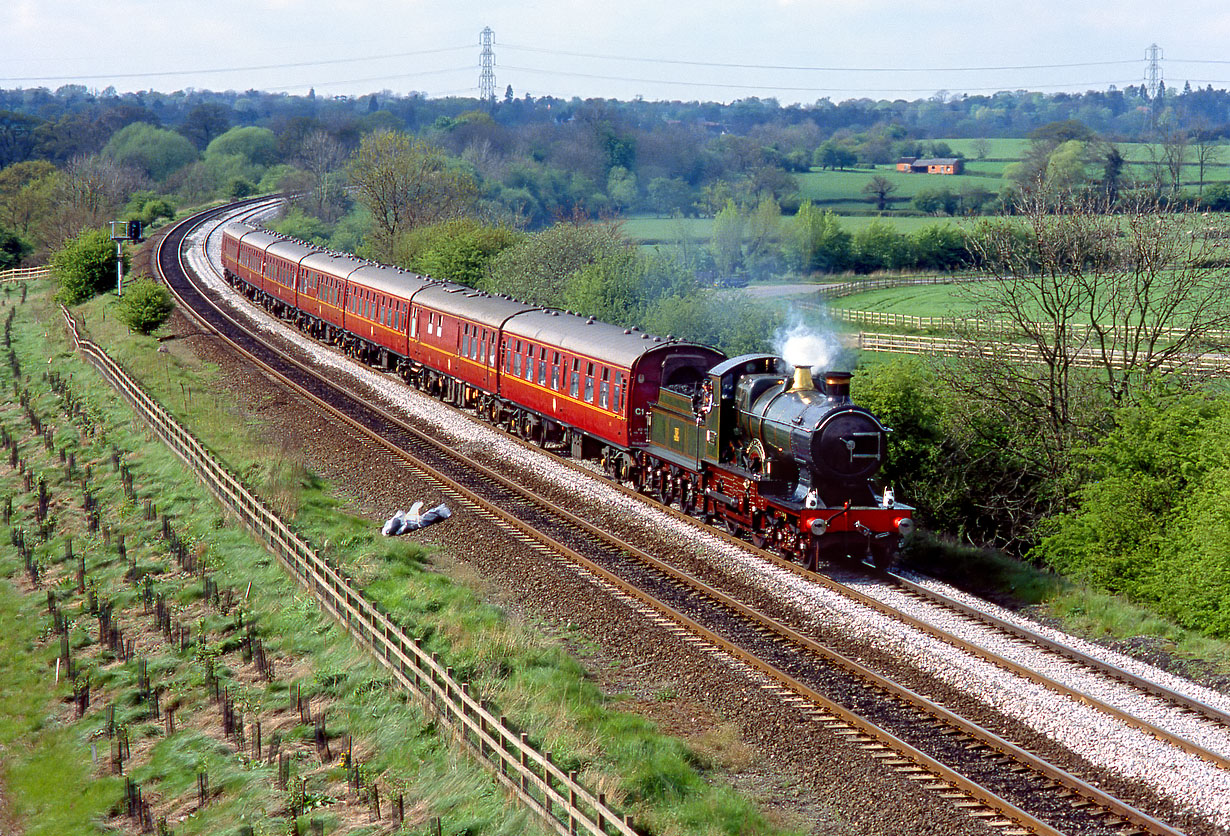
x: 840, y: 289
x: 554, y: 795
x: 24, y: 274
x: 1210, y: 364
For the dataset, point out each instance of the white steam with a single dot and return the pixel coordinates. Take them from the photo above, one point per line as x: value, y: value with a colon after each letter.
x: 803, y: 345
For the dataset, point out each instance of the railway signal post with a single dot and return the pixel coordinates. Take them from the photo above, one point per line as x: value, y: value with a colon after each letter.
x: 122, y: 231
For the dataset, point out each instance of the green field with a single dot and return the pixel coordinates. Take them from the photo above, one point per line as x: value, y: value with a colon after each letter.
x: 842, y: 191
x: 650, y: 231
x: 847, y: 186
x: 921, y: 300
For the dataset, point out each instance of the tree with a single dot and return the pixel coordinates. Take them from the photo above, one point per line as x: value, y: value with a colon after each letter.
x: 878, y: 246
x: 88, y: 193
x: 145, y: 305
x: 404, y: 183
x: 85, y: 266
x: 153, y: 151
x: 727, y: 239
x: 621, y: 187
x: 1174, y: 142
x: 459, y: 250
x: 668, y: 195
x: 834, y: 156
x: 26, y: 194
x: 322, y: 155
x: 817, y: 242
x: 1105, y: 306
x: 204, y: 122
x: 1208, y: 150
x: 939, y: 201
x: 13, y: 248
x: 258, y: 146
x: 538, y: 268
x: 878, y: 188
x: 17, y: 137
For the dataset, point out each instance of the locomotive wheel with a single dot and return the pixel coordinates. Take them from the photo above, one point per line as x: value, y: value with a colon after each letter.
x: 687, y: 497
x: 666, y: 489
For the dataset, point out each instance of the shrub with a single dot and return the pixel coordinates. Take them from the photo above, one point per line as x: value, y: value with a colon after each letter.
x: 85, y: 266
x: 145, y: 305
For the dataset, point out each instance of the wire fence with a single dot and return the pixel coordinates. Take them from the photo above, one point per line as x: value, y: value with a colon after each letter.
x: 554, y: 794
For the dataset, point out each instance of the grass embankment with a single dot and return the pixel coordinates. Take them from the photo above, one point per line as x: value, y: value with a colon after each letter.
x: 668, y: 786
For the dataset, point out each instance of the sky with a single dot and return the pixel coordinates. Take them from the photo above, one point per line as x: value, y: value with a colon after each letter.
x: 715, y: 50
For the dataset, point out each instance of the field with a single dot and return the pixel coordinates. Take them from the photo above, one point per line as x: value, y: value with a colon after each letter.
x: 846, y: 187
x: 920, y: 300
x: 665, y: 231
x: 842, y: 191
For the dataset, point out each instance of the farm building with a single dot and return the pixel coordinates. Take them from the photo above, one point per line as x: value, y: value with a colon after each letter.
x: 935, y: 165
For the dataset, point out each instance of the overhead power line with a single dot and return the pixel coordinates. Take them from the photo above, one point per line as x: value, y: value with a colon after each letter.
x: 165, y: 73
x: 318, y: 83
x: 807, y: 88
x: 567, y: 54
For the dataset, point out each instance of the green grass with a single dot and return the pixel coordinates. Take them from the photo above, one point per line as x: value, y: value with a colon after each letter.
x: 998, y: 148
x: 666, y: 231
x: 666, y: 785
x: 912, y: 300
x: 824, y: 187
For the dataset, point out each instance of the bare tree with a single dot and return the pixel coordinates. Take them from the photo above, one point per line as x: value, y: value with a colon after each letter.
x: 878, y: 188
x: 406, y: 183
x: 87, y: 194
x: 1207, y: 150
x: 1090, y: 309
x: 1168, y: 154
x: 321, y: 156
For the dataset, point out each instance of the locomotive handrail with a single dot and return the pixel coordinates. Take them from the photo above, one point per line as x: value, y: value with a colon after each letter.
x: 532, y: 776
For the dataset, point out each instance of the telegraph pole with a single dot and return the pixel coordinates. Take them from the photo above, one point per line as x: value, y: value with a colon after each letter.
x: 122, y: 231
x: 486, y: 68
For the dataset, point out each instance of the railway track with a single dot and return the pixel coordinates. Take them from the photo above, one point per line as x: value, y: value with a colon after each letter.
x: 1019, y: 791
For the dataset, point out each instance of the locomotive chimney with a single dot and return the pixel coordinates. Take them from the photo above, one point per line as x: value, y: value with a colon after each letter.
x: 802, y: 380
x: 837, y: 386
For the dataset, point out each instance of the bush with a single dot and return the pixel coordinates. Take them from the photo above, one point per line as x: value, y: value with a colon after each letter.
x: 13, y: 248
x: 85, y: 266
x: 145, y: 305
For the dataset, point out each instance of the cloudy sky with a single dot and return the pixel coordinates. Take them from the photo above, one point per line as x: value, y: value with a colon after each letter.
x: 720, y: 50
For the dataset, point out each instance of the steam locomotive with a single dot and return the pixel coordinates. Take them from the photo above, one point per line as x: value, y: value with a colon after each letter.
x: 747, y: 443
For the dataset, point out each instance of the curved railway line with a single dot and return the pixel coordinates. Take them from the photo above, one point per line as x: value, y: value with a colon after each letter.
x: 1016, y: 790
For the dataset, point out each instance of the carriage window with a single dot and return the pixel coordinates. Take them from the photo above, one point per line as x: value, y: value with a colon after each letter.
x: 491, y: 344
x: 575, y: 386
x: 465, y: 341
x: 589, y: 389
x: 542, y: 369
x: 414, y: 324
x: 529, y: 364
x: 604, y: 391
x: 516, y: 361
x: 619, y: 391
x: 555, y: 370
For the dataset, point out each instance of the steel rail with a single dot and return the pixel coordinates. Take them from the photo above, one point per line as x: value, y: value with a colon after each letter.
x: 1088, y: 791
